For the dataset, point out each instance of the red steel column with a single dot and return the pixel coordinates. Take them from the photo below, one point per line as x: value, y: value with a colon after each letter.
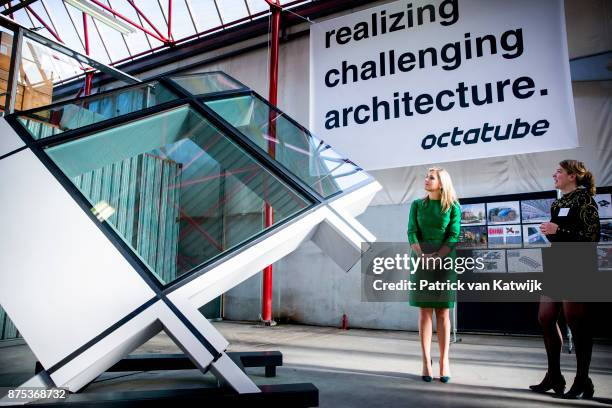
x: 88, y: 75
x: 170, y: 20
x: 266, y: 307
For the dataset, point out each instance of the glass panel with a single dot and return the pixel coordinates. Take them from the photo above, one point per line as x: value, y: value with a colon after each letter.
x: 309, y: 158
x: 256, y: 6
x: 73, y: 115
x: 42, y: 73
x: 151, y: 9
x: 232, y: 10
x: 182, y: 25
x: 175, y: 188
x: 199, y: 84
x: 205, y: 14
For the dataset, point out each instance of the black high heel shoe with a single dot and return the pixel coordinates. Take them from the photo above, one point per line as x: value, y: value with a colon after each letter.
x: 444, y: 378
x: 427, y: 378
x: 556, y: 383
x: 581, y: 389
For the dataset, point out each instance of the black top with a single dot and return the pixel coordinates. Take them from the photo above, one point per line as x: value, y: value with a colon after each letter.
x: 580, y: 222
x: 570, y: 264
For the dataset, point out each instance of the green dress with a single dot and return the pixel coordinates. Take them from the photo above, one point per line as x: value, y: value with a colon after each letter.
x: 432, y: 228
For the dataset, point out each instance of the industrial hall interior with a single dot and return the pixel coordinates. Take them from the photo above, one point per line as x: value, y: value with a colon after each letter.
x: 306, y: 203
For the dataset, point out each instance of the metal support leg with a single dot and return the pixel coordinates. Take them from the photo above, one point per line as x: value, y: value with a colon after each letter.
x: 454, y: 338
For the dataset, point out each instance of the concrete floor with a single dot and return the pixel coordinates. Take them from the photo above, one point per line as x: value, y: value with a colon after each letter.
x: 366, y: 368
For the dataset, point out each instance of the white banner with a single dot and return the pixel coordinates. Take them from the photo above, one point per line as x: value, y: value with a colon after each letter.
x: 418, y: 82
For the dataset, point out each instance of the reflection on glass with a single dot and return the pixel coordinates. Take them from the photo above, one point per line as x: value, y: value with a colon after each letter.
x: 175, y: 188
x: 308, y: 158
x: 42, y: 69
x: 97, y: 108
x: 45, y: 73
x: 207, y: 82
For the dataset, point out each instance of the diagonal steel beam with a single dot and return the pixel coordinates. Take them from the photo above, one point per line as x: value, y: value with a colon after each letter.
x: 78, y: 33
x: 93, y: 20
x: 19, y: 6
x: 44, y: 23
x: 144, y: 17
x: 122, y: 35
x: 190, y: 12
x: 49, y: 15
x: 145, y: 36
x: 129, y: 21
x: 167, y: 19
x: 218, y: 12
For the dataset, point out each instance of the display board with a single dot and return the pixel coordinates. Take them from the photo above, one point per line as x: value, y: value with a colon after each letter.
x: 505, y: 231
x: 534, y: 208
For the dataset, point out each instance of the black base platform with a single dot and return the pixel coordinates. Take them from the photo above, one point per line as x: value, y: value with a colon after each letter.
x: 150, y: 362
x: 278, y: 395
x: 282, y: 395
x: 154, y: 362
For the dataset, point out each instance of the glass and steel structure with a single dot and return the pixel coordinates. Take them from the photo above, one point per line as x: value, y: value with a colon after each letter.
x: 146, y: 203
x: 179, y: 168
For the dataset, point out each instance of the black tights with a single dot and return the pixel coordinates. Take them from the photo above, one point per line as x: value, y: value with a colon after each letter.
x: 578, y: 321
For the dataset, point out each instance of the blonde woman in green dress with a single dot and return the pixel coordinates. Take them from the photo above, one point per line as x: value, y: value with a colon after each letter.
x: 433, y: 231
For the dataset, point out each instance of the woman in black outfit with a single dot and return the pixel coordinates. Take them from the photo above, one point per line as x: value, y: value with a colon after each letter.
x: 574, y: 218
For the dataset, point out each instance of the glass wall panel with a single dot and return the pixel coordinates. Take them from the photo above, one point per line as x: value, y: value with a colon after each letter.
x: 175, y: 188
x: 97, y: 108
x: 307, y: 157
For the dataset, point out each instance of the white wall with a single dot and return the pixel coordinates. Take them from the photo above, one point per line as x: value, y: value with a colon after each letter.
x: 308, y: 287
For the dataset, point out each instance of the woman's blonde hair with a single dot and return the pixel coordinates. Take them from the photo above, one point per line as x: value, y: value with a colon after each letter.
x: 584, y: 177
x: 448, y: 196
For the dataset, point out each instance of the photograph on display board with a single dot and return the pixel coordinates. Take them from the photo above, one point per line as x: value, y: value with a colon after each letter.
x: 473, y: 214
x: 536, y: 210
x: 604, y: 257
x: 606, y: 231
x: 507, y: 212
x: 473, y: 237
x: 524, y: 260
x: 494, y: 260
x: 604, y: 205
x: 504, y: 236
x: 533, y: 237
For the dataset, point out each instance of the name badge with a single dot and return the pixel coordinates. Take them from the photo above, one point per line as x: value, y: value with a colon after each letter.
x: 563, y: 212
